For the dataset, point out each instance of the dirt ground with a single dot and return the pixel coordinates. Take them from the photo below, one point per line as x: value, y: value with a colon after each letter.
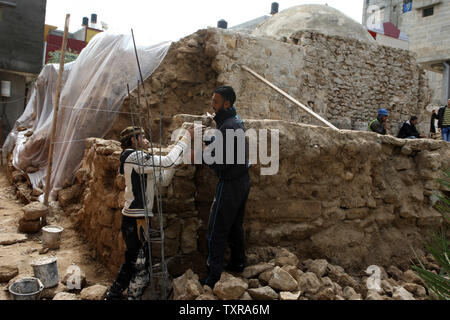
x: 73, y: 250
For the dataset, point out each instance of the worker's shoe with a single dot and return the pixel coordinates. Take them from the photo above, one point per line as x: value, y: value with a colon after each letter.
x: 114, y: 293
x: 235, y: 267
x: 209, y: 281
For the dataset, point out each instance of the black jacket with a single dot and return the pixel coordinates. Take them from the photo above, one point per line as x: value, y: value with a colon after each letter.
x: 408, y: 130
x: 434, y: 117
x: 227, y: 119
x: 441, y: 117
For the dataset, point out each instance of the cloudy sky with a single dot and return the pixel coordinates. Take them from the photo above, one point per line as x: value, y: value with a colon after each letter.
x: 156, y: 21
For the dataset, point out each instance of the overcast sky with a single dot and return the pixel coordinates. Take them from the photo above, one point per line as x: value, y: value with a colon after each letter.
x: 156, y: 21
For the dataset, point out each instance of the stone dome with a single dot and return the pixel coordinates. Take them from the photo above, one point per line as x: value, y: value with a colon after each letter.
x: 312, y: 17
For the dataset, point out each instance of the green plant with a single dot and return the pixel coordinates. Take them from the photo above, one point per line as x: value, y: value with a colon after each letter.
x: 69, y: 57
x: 438, y: 246
x: 444, y: 204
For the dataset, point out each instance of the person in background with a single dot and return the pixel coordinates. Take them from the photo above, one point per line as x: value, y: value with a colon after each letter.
x: 444, y: 121
x: 379, y: 124
x: 409, y: 130
x: 434, y: 117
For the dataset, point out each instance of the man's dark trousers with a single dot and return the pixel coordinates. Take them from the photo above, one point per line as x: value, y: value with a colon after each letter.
x: 225, y: 225
x: 133, y: 244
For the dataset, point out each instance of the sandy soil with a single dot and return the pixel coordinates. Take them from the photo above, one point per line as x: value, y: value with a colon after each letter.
x: 73, y: 250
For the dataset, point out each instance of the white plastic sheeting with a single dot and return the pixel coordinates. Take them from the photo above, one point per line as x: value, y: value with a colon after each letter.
x: 93, y: 91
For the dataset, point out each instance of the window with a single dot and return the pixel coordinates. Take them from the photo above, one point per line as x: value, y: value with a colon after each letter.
x: 407, y: 6
x: 428, y: 12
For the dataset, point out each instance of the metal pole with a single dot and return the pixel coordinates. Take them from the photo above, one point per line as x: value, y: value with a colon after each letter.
x: 157, y: 186
x: 144, y: 194
x: 446, y: 81
x: 159, y: 202
x: 284, y: 94
x: 55, y: 116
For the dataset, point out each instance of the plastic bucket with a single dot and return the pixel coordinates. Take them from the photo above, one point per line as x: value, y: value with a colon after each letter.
x: 51, y: 236
x: 46, y: 269
x: 26, y: 289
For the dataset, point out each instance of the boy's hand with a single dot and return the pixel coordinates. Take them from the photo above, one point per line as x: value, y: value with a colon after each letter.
x: 193, y: 129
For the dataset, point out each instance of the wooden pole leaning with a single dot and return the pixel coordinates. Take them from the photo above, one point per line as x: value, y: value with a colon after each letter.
x: 55, y: 116
x: 287, y: 96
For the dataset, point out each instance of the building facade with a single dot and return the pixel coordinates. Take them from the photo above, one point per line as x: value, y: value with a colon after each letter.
x: 21, y: 55
x: 76, y: 41
x: 427, y: 24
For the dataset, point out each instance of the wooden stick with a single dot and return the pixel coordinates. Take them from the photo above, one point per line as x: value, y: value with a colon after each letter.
x: 284, y: 94
x: 55, y: 115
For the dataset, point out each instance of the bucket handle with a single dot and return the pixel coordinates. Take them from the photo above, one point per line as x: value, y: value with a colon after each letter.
x: 41, y: 286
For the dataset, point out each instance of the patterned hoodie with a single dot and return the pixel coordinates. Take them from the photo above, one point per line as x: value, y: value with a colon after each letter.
x: 135, y: 164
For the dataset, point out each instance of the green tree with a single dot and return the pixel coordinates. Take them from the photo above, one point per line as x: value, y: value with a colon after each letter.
x: 55, y: 56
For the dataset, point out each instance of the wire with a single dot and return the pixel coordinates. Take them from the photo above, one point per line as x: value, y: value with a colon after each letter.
x: 99, y: 110
x: 12, y: 101
x: 59, y: 142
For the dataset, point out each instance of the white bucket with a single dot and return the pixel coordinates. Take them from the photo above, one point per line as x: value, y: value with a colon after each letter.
x: 51, y: 236
x: 46, y: 270
x: 26, y: 289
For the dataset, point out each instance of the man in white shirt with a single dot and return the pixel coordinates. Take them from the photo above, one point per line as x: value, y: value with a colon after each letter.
x: 140, y: 169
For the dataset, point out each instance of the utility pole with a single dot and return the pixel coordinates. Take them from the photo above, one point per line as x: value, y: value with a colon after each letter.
x: 55, y: 116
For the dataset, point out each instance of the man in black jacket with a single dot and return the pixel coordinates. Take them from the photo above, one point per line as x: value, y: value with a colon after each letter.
x: 228, y: 209
x: 409, y: 130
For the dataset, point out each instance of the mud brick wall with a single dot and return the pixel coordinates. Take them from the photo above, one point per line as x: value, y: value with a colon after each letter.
x: 354, y: 198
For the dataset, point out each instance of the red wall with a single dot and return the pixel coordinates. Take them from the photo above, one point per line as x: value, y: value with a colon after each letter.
x: 54, y: 43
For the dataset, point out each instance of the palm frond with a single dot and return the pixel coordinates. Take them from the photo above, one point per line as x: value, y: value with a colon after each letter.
x: 438, y: 246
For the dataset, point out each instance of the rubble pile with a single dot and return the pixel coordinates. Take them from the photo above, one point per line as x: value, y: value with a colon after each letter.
x: 286, y: 278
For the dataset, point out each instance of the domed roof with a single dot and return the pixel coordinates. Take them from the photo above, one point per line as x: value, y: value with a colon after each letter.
x: 312, y: 17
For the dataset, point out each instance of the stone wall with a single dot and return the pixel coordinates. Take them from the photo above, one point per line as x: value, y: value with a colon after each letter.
x: 344, y: 80
x: 353, y: 198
